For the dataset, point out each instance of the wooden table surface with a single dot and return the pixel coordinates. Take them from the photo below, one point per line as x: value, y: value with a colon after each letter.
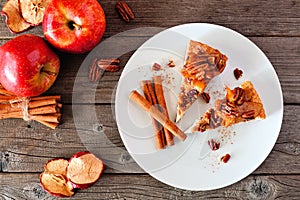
x: 273, y: 25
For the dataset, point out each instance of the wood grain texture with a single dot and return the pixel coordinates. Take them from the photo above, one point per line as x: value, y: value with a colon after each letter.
x: 274, y: 26
x: 27, y: 149
x: 255, y: 18
x: 26, y: 186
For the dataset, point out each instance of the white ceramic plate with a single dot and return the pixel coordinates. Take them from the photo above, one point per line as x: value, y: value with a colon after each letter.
x: 191, y: 164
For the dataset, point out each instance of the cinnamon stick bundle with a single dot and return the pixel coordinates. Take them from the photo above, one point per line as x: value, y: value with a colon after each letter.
x: 43, y: 109
x: 158, y: 129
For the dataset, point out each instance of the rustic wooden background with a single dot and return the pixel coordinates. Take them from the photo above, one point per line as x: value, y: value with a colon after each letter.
x: 274, y: 25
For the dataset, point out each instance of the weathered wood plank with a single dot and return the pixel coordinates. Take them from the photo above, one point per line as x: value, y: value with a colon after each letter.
x: 253, y: 18
x: 27, y: 149
x: 27, y: 186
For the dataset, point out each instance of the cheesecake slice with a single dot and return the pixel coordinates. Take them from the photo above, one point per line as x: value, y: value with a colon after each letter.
x: 202, y: 64
x: 241, y: 104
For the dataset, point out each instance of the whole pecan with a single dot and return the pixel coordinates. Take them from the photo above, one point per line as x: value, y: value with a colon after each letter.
x: 124, y: 11
x: 248, y: 114
x: 229, y: 109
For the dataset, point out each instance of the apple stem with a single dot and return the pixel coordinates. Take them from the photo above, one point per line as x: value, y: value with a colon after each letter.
x: 72, y: 25
x: 48, y: 72
x: 77, y: 26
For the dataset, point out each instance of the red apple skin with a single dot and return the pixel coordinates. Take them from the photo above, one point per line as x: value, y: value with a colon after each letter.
x: 74, y: 26
x: 28, y: 67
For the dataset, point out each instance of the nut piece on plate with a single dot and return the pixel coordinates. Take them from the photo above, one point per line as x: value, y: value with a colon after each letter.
x: 205, y: 97
x: 237, y: 73
x: 33, y: 10
x: 156, y: 67
x: 54, y: 179
x: 171, y: 63
x: 14, y: 20
x: 225, y: 158
x: 84, y: 169
x: 214, y: 145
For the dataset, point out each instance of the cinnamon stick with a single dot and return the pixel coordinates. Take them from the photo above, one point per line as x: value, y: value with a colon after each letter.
x: 57, y: 97
x: 12, y: 107
x: 44, y: 102
x: 55, y: 118
x: 34, y: 111
x: 156, y: 114
x: 158, y: 129
x: 48, y: 124
x: 157, y: 80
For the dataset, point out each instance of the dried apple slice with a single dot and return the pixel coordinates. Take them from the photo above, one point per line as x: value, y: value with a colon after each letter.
x: 56, y: 184
x: 14, y: 20
x: 57, y: 166
x: 54, y: 179
x: 84, y: 169
x: 33, y: 10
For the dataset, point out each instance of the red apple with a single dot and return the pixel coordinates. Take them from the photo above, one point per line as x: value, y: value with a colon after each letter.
x: 84, y: 169
x: 28, y: 67
x: 74, y: 26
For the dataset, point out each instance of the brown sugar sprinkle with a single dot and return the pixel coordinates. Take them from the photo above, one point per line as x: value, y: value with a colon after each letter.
x: 225, y: 158
x: 237, y: 73
x: 156, y: 67
x: 171, y: 63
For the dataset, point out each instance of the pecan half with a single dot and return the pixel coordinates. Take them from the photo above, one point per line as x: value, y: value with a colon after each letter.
x: 215, y: 120
x: 125, y: 11
x: 205, y: 97
x: 221, y: 64
x: 248, y: 114
x: 203, y: 126
x: 95, y: 73
x: 109, y: 68
x: 229, y: 109
x: 109, y: 64
x: 239, y: 96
